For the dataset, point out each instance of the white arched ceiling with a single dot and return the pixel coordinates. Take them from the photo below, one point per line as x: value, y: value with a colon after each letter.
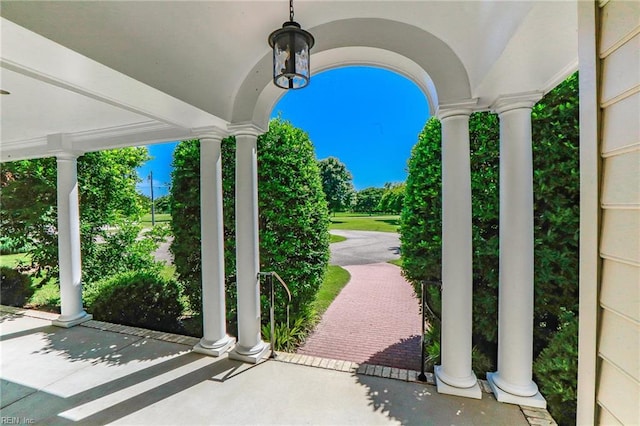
x: 426, y: 60
x: 350, y: 56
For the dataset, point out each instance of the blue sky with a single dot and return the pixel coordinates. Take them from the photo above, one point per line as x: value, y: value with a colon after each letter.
x: 367, y: 117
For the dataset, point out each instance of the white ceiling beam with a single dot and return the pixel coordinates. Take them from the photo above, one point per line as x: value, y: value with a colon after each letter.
x: 32, y: 55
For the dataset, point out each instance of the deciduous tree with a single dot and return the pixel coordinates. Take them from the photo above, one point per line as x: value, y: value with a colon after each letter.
x: 337, y: 184
x: 108, y: 198
x: 367, y: 200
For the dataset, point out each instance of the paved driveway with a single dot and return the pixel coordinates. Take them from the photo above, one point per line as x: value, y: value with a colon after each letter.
x: 364, y: 247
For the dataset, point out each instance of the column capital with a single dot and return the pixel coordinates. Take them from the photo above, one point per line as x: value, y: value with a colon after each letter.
x: 61, y: 146
x: 210, y: 132
x: 513, y: 101
x: 246, y: 129
x: 67, y: 155
x: 464, y: 107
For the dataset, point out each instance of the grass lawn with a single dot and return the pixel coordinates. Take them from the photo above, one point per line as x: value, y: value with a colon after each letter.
x: 160, y: 218
x: 363, y: 222
x: 11, y: 260
x: 336, y: 238
x: 46, y: 297
x: 397, y: 262
x: 335, y: 279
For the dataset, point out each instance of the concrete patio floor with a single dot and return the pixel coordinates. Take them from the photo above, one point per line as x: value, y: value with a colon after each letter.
x: 85, y: 375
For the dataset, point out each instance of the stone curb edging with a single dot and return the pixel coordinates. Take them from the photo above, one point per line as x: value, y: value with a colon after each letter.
x: 535, y: 416
x: 106, y: 326
x: 354, y: 367
x: 142, y: 332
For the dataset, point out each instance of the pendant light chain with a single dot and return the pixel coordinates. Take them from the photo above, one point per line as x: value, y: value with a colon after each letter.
x: 291, y: 10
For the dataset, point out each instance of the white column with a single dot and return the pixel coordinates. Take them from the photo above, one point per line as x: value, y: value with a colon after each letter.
x: 69, y: 261
x: 250, y: 347
x: 215, y: 340
x: 512, y: 382
x: 455, y: 376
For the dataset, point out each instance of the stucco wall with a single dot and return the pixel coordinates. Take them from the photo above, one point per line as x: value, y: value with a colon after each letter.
x: 618, y: 371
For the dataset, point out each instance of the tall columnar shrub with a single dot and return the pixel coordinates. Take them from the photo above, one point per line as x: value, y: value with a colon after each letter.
x: 293, y: 216
x: 556, y: 215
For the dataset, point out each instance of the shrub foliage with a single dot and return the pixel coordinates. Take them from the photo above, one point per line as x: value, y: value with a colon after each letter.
x: 293, y: 215
x: 137, y: 298
x: 108, y: 200
x: 15, y: 288
x: 556, y: 216
x: 555, y: 370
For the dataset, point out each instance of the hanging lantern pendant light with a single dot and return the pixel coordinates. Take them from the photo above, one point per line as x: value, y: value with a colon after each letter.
x: 291, y: 51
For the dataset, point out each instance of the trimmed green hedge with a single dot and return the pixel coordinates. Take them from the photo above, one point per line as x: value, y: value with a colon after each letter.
x: 15, y: 287
x: 136, y: 298
x: 293, y: 218
x: 555, y: 136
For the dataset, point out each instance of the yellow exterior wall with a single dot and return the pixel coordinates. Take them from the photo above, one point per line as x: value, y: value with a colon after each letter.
x: 618, y: 341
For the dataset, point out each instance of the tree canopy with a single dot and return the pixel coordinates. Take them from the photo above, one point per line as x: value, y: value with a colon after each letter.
x: 367, y: 200
x: 337, y: 184
x: 392, y: 198
x: 107, y: 196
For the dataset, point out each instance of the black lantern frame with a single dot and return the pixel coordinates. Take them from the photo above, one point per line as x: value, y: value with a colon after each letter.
x: 291, y: 53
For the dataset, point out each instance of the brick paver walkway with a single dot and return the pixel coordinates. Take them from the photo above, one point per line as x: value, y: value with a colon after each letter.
x: 375, y: 319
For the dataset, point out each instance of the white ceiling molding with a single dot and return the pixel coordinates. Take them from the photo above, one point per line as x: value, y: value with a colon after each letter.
x: 82, y: 67
x: 33, y: 55
x: 146, y: 133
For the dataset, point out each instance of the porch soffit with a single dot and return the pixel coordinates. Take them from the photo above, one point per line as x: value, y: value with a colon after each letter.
x: 210, y: 59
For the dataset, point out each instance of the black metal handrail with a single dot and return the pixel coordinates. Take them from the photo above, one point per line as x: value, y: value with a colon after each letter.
x: 270, y: 276
x: 424, y: 306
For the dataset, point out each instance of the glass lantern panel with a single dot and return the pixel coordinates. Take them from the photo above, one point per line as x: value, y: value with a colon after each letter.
x: 281, y: 54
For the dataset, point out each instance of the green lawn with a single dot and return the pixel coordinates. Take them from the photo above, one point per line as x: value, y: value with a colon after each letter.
x: 160, y: 218
x: 397, y: 262
x: 335, y: 279
x: 11, y: 260
x: 363, y: 222
x: 351, y: 221
x: 336, y: 238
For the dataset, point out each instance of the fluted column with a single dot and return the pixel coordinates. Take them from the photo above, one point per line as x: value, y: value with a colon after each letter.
x: 215, y: 340
x: 455, y: 376
x: 513, y: 382
x: 250, y: 347
x: 69, y: 259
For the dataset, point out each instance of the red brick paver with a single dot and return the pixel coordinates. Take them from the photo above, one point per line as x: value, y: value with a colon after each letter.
x: 375, y: 319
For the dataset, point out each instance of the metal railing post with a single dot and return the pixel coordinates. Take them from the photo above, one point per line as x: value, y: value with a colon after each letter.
x: 422, y: 377
x: 272, y: 314
x: 272, y: 308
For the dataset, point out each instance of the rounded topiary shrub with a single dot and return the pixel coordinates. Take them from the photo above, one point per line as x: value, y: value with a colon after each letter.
x: 15, y: 288
x: 137, y: 298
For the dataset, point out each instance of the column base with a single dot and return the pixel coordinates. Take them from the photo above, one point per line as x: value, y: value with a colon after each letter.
x: 216, y: 348
x: 536, y: 400
x: 68, y: 321
x: 471, y: 392
x: 252, y: 355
